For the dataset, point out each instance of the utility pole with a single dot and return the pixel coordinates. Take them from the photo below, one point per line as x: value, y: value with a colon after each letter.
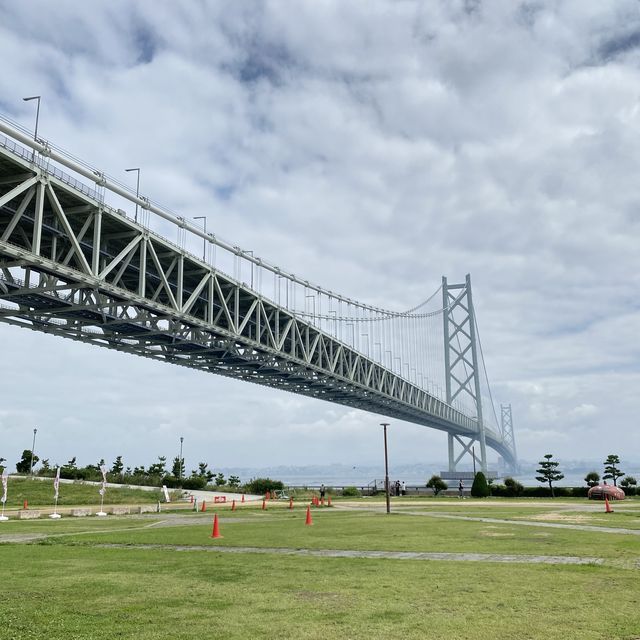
x: 384, y: 425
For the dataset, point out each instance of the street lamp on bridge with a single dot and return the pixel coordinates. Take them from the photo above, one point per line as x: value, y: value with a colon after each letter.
x: 180, y: 461
x: 35, y: 133
x: 137, y: 169
x: 204, y: 240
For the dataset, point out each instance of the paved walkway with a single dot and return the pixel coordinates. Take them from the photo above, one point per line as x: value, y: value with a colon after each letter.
x: 518, y: 523
x: 392, y: 555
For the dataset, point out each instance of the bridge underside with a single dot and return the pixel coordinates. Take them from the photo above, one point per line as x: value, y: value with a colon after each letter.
x: 74, y: 267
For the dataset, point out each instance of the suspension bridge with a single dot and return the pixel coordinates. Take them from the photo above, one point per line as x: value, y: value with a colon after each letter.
x: 75, y: 265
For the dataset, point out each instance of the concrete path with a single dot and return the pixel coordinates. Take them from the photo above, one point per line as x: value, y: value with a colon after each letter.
x: 375, y: 555
x: 517, y: 523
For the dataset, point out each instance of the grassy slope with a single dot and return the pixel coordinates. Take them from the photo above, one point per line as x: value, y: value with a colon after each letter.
x: 39, y: 493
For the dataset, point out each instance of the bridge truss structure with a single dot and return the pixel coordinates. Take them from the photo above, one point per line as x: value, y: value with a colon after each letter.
x: 74, y: 266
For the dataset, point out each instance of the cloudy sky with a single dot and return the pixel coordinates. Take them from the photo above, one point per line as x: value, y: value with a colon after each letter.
x: 370, y: 147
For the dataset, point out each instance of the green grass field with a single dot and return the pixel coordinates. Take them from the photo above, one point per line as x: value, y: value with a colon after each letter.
x: 39, y: 493
x: 160, y: 575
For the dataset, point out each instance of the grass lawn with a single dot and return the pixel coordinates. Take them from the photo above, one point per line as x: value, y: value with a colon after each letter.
x: 39, y: 493
x: 72, y: 586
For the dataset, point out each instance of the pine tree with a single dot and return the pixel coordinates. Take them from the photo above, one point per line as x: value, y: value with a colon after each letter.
x: 592, y: 478
x: 118, y: 466
x: 611, y: 471
x: 549, y: 472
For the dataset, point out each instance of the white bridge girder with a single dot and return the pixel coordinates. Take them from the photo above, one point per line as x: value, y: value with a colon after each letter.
x: 74, y: 267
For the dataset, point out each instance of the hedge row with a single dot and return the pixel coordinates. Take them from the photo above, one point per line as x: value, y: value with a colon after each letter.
x: 544, y: 492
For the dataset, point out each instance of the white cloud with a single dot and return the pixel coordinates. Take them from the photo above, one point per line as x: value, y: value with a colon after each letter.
x: 370, y: 147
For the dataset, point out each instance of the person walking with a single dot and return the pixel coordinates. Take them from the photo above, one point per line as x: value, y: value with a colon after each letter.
x: 460, y: 488
x: 404, y: 488
x: 322, y: 491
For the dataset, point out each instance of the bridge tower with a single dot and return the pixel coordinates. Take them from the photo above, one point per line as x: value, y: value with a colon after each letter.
x: 462, y: 368
x: 506, y: 424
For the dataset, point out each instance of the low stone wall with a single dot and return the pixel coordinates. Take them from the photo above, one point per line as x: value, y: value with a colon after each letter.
x: 28, y: 514
x: 147, y: 508
x: 80, y: 512
x: 120, y: 511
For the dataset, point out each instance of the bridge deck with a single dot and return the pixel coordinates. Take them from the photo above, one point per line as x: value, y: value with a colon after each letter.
x: 72, y: 266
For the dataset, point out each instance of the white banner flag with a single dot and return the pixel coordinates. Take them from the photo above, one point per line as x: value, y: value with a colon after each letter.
x: 166, y: 493
x: 56, y: 484
x: 103, y: 489
x: 5, y: 477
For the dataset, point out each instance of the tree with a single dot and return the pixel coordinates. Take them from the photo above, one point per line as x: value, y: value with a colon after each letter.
x: 25, y: 462
x: 628, y: 483
x: 549, y: 472
x: 514, y: 488
x: 158, y: 468
x: 118, y: 466
x: 177, y: 469
x: 592, y: 479
x: 204, y: 472
x: 480, y: 486
x: 234, y: 481
x: 69, y: 470
x: 220, y: 479
x: 437, y: 484
x: 611, y: 471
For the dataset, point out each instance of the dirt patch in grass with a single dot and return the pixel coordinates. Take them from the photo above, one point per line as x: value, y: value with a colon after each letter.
x: 574, y: 518
x: 326, y: 597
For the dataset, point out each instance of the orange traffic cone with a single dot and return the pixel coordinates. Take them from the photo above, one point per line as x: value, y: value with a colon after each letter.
x: 290, y: 503
x: 329, y: 501
x: 242, y: 498
x: 268, y: 495
x: 308, y: 521
x: 216, y: 529
x: 264, y: 505
x: 233, y: 506
x: 204, y: 506
x: 607, y: 506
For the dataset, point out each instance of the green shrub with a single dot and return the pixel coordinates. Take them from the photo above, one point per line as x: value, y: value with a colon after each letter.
x: 351, y: 492
x: 437, y: 484
x: 480, y: 488
x: 194, y: 482
x: 513, y: 487
x: 499, y: 490
x: 260, y: 486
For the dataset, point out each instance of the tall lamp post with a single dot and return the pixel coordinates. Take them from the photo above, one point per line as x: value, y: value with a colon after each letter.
x: 33, y: 447
x: 35, y: 133
x: 180, y: 460
x: 204, y: 240
x: 137, y: 169
x: 384, y: 425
